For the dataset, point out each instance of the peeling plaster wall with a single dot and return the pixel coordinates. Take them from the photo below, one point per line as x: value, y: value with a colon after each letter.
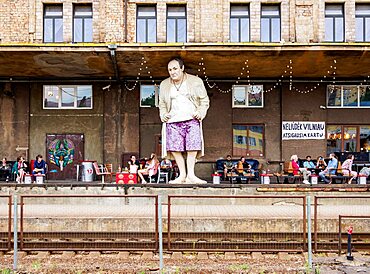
x: 14, y: 121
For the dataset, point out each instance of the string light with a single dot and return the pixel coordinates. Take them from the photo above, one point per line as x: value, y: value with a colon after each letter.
x: 141, y: 68
x: 245, y: 74
x: 331, y: 71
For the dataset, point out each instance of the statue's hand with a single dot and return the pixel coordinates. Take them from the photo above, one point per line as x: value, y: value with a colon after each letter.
x: 166, y: 117
x: 197, y: 116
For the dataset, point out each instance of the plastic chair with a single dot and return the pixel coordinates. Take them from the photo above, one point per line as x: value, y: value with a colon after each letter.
x: 102, y: 171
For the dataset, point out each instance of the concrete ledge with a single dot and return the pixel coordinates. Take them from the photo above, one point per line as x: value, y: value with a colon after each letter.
x: 202, y: 256
x: 147, y: 255
x: 124, y: 255
x: 68, y: 254
x: 284, y: 256
x: 94, y: 254
x: 21, y: 254
x: 230, y: 256
x: 257, y: 255
x: 176, y: 256
x: 43, y: 254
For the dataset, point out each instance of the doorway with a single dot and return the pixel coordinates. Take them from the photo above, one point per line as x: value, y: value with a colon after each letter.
x: 63, y: 153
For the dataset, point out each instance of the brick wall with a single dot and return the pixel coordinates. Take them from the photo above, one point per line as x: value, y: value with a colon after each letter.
x: 14, y: 21
x: 207, y: 20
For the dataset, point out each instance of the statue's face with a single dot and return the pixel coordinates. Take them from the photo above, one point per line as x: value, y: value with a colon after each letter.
x: 176, y: 73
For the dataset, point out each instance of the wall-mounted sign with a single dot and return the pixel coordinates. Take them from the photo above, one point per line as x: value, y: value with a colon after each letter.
x: 303, y: 130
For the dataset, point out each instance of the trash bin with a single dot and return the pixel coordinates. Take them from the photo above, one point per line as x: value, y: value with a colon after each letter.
x: 39, y: 178
x: 362, y: 179
x: 28, y: 179
x: 314, y: 179
x: 216, y: 178
x: 87, y: 171
x: 265, y: 179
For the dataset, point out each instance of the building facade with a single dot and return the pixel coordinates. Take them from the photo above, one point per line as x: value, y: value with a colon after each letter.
x: 79, y: 79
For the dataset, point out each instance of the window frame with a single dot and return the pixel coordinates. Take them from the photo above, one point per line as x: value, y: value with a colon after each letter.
x: 146, y: 23
x: 342, y: 137
x: 60, y: 87
x: 177, y: 18
x: 247, y: 89
x: 83, y: 22
x: 334, y: 19
x: 45, y: 5
x: 240, y: 17
x: 270, y: 17
x: 341, y: 97
x: 248, y: 151
x: 156, y: 96
x: 363, y: 19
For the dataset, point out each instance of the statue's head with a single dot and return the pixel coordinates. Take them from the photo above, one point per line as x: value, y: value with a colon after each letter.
x: 176, y: 69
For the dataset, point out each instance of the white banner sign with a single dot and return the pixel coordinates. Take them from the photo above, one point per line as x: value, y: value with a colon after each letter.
x: 303, y: 130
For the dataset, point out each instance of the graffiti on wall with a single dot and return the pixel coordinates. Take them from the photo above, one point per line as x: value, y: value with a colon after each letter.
x: 61, y: 152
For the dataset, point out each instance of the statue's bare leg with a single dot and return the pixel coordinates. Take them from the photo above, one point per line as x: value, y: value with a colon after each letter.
x: 190, y: 161
x: 179, y: 158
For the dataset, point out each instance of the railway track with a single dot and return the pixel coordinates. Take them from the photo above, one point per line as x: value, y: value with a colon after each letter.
x: 179, y: 241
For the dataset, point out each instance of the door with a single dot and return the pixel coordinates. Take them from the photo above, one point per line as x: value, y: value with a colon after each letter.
x: 63, y: 153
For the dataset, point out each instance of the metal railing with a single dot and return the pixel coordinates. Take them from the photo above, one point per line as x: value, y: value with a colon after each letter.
x: 70, y: 222
x: 6, y: 217
x: 327, y: 210
x: 205, y: 230
x: 360, y: 238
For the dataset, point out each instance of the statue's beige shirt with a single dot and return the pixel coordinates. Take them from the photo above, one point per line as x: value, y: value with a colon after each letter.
x: 197, y: 95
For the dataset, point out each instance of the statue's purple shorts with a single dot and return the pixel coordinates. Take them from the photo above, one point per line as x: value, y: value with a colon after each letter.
x: 183, y: 136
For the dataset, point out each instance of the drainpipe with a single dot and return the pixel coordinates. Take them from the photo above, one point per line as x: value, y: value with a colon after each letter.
x: 280, y: 126
x: 112, y: 49
x: 125, y: 20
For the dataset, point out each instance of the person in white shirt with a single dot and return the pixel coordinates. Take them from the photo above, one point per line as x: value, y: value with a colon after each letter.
x: 183, y: 104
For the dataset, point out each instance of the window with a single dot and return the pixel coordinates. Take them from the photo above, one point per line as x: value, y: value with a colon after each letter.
x: 362, y: 23
x: 82, y: 23
x: 68, y: 97
x: 334, y: 23
x: 239, y: 23
x: 349, y: 96
x: 248, y: 140
x: 53, y: 23
x: 348, y: 138
x: 176, y: 24
x: 148, y: 95
x: 270, y: 23
x: 247, y: 96
x: 146, y: 24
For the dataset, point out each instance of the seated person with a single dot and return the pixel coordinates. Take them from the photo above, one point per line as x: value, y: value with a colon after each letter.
x: 19, y: 169
x: 365, y: 171
x: 347, y: 168
x: 242, y: 166
x: 166, y: 166
x: 39, y: 166
x: 308, y: 163
x: 133, y: 164
x: 4, y: 164
x: 151, y: 168
x: 228, y: 166
x: 304, y: 170
x: 330, y: 169
x: 321, y: 164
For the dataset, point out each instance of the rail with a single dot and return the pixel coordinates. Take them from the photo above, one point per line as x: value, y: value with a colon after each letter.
x: 113, y: 205
x: 350, y: 205
x: 6, y: 239
x: 237, y: 241
x: 361, y: 240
